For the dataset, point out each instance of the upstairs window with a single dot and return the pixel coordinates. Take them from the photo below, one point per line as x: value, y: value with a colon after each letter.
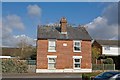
x: 77, y: 46
x: 51, y: 46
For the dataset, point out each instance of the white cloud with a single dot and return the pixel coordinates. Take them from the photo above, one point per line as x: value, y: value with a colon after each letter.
x: 53, y: 24
x: 10, y: 23
x: 34, y: 10
x: 105, y: 26
x: 13, y: 21
x: 14, y: 40
x: 111, y: 13
x: 0, y: 25
x: 26, y: 39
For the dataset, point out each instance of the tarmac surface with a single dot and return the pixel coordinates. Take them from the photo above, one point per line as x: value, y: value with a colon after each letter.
x: 43, y: 76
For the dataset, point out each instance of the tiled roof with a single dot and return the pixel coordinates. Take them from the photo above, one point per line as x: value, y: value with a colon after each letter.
x: 108, y: 42
x: 73, y: 33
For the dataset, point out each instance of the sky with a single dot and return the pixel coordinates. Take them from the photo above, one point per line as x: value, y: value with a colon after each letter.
x: 0, y: 24
x: 20, y: 19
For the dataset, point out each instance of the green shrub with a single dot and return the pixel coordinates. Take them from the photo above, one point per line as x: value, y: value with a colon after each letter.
x: 108, y: 61
x: 87, y: 76
x: 14, y: 66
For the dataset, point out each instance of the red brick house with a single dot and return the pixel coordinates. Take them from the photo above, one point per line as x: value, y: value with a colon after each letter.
x: 63, y: 49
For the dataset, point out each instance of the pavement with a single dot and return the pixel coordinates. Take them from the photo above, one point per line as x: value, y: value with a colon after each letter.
x: 42, y: 76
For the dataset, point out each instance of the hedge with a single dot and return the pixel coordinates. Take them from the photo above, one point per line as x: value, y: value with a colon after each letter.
x: 108, y: 61
x: 14, y: 66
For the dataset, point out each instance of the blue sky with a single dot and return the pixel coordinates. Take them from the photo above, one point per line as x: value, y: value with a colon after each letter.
x: 76, y: 13
x: 51, y: 12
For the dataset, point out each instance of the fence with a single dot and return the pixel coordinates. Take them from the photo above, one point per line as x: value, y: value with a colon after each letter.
x: 31, y: 65
x: 31, y: 62
x: 103, y: 67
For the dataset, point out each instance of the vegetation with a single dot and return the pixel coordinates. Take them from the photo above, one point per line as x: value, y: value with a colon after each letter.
x: 14, y: 66
x: 108, y: 61
x: 33, y: 57
x: 27, y: 50
x: 95, y: 54
x: 88, y: 76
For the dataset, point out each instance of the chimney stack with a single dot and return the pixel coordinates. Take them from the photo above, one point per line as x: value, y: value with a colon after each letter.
x: 63, y: 25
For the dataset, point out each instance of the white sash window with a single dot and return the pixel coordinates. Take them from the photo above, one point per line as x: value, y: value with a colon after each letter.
x: 51, y: 62
x: 52, y: 46
x: 76, y: 46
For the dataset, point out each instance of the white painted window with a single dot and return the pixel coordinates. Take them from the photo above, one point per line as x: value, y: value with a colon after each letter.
x: 107, y: 47
x: 51, y: 63
x: 52, y: 46
x: 77, y: 46
x: 77, y: 62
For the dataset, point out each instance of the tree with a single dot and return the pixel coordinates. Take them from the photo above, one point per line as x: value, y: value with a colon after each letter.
x: 95, y: 54
x: 26, y: 50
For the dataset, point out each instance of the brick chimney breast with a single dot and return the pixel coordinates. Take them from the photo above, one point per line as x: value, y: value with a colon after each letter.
x: 63, y: 25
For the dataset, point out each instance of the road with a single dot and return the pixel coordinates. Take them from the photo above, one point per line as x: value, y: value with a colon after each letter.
x: 41, y: 79
x: 48, y: 76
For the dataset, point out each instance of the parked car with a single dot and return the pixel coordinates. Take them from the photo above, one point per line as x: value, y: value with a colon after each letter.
x: 115, y: 77
x: 107, y: 75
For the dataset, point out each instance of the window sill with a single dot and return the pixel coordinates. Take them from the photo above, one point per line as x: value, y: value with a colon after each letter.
x: 76, y: 51
x: 52, y: 69
x: 51, y: 50
x: 77, y: 68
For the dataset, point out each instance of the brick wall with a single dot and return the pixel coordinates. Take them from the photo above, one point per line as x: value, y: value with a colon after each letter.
x: 64, y: 54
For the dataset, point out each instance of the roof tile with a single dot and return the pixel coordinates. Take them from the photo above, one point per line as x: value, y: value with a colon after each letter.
x: 74, y: 33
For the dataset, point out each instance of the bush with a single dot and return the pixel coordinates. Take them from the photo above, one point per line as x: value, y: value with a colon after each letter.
x: 108, y: 61
x: 88, y: 76
x: 14, y: 66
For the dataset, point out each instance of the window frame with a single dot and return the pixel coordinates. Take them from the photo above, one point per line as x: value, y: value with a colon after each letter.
x: 77, y: 57
x: 54, y: 57
x: 107, y: 48
x: 53, y: 63
x: 77, y: 46
x: 52, y: 46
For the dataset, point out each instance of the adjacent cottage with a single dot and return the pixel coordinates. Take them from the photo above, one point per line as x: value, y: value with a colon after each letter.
x: 108, y: 49
x: 63, y: 48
